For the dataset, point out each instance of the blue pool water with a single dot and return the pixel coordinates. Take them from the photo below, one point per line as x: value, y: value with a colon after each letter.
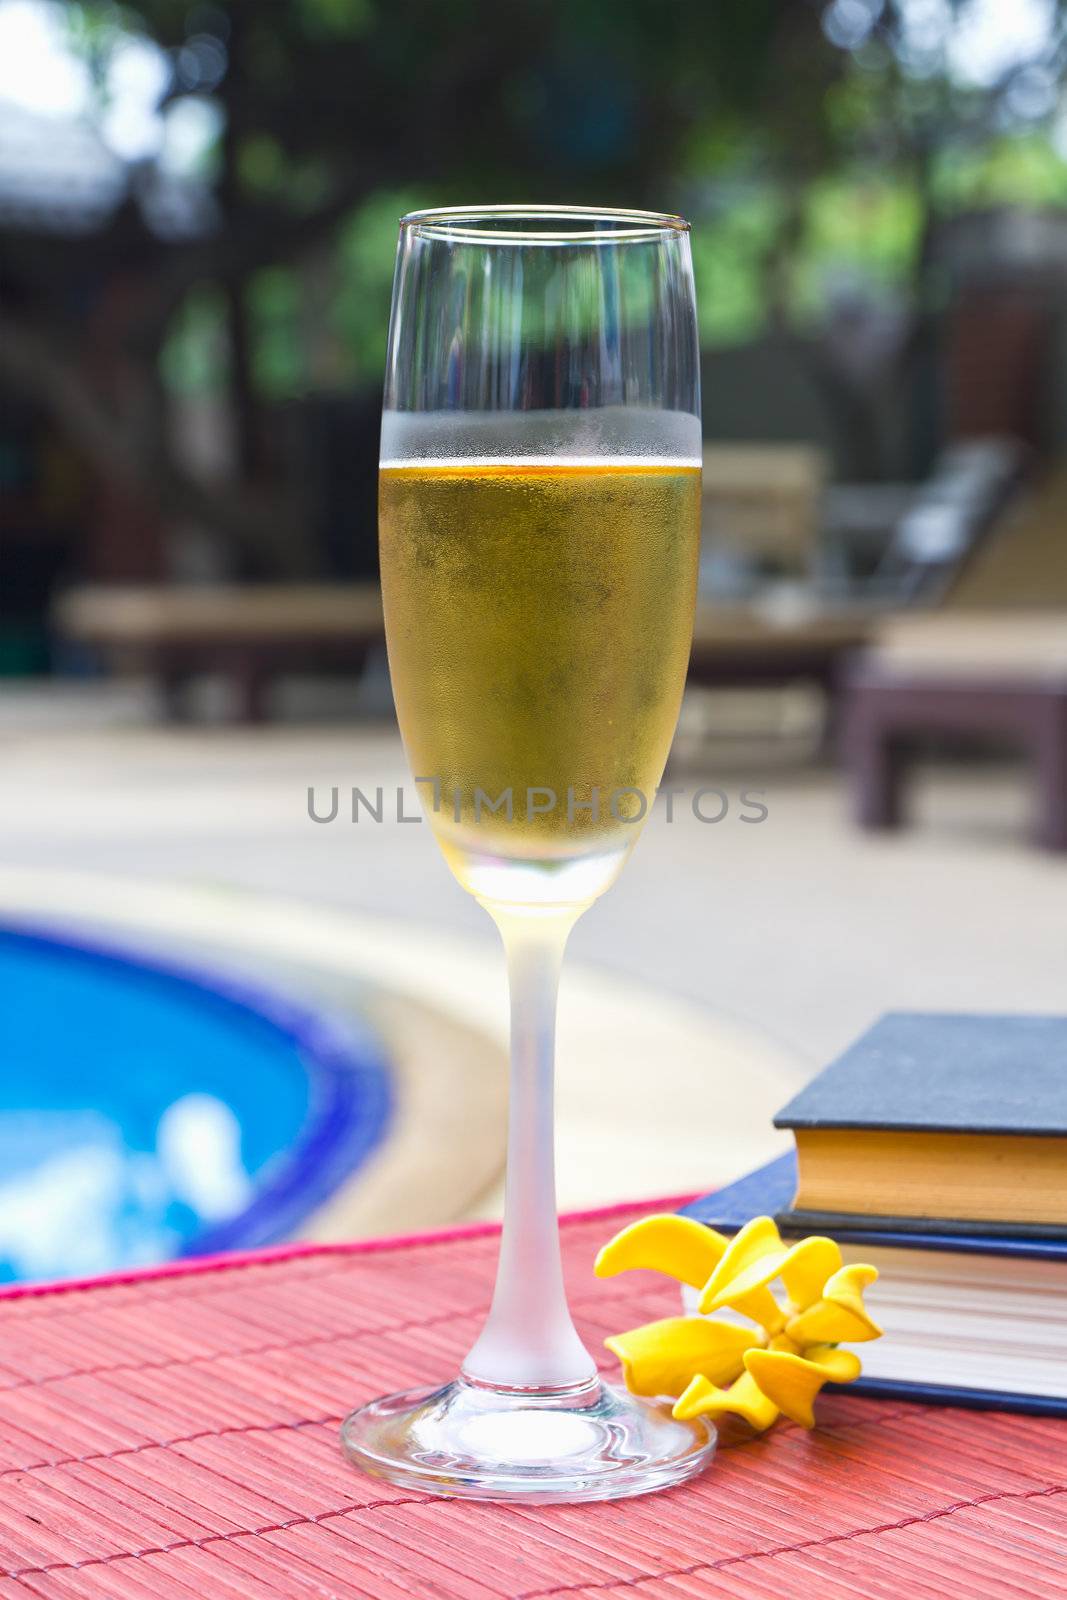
x: 148, y: 1112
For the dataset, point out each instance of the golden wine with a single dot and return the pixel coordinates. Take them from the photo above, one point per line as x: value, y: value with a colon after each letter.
x: 539, y: 618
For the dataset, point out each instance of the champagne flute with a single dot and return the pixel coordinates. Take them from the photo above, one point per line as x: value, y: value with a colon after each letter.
x: 539, y: 526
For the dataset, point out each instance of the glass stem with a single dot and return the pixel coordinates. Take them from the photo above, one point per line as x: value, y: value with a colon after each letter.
x: 529, y: 1340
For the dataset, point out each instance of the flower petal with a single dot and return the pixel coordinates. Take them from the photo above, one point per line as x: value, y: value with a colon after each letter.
x: 840, y: 1366
x: 662, y: 1357
x: 848, y: 1283
x: 807, y: 1267
x: 744, y: 1398
x: 840, y: 1314
x: 679, y: 1246
x: 828, y: 1323
x: 751, y: 1259
x: 792, y: 1382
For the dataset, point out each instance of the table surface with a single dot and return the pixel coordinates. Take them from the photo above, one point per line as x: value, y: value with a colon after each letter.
x: 175, y: 1434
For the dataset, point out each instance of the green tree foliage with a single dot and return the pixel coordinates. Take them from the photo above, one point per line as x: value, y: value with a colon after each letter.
x: 813, y: 142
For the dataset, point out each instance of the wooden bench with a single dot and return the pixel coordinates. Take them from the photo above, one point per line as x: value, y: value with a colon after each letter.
x: 739, y: 646
x: 987, y: 675
x: 253, y: 634
x: 991, y: 665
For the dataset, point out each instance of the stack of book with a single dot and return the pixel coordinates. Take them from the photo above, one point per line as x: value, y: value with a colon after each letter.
x: 936, y: 1149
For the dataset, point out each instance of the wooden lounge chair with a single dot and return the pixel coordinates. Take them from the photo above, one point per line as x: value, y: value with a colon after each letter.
x: 254, y: 634
x: 992, y: 665
x: 814, y: 628
x: 749, y: 646
x: 251, y: 634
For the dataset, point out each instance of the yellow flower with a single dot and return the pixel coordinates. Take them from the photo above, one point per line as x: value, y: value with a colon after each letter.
x: 661, y: 1357
x: 709, y: 1366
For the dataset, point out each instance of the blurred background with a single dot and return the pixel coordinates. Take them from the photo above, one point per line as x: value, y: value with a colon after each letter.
x: 198, y: 216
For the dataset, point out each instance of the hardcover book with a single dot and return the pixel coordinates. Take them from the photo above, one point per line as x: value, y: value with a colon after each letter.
x: 938, y: 1118
x: 976, y: 1318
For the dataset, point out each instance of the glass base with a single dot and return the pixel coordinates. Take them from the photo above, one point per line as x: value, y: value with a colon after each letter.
x: 467, y: 1440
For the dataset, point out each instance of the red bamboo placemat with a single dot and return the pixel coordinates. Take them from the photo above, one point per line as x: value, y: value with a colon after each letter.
x: 175, y: 1435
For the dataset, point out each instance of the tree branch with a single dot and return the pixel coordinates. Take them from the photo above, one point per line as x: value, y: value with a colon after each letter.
x: 255, y: 525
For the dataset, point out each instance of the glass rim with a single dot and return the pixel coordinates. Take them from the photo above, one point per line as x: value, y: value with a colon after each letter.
x: 606, y: 224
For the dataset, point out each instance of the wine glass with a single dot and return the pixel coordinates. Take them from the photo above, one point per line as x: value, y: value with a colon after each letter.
x: 539, y: 526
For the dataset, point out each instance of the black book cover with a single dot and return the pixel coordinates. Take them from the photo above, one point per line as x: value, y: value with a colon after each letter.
x: 933, y: 1072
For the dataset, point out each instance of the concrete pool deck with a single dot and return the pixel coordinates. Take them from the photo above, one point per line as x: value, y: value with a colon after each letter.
x: 728, y: 963
x: 441, y: 1004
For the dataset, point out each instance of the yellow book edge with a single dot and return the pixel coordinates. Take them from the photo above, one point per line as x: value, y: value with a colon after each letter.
x: 965, y: 1177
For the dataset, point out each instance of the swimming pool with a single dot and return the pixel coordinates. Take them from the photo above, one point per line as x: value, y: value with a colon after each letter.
x: 149, y: 1111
